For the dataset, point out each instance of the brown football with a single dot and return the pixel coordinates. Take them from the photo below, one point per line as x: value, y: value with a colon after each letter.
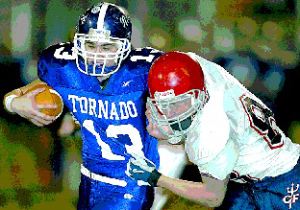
x: 48, y: 96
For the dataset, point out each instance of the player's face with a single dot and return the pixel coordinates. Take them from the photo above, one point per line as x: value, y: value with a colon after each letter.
x: 174, y: 115
x: 175, y: 109
x: 102, y: 50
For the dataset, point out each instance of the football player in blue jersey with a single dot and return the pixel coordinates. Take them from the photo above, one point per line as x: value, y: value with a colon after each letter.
x: 103, y: 82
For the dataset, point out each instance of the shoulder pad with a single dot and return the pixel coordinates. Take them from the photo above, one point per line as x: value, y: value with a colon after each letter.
x: 58, y: 55
x: 140, y: 59
x: 210, y: 134
x: 145, y: 51
x: 57, y: 63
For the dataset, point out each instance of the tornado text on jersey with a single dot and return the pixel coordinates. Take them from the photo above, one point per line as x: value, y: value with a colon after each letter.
x: 103, y: 108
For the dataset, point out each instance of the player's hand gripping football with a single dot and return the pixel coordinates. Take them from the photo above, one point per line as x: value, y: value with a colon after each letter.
x: 26, y: 107
x: 142, y: 170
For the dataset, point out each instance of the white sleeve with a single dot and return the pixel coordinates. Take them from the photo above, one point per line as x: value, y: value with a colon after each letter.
x: 211, y: 132
x: 222, y: 165
x: 211, y: 145
x: 216, y: 152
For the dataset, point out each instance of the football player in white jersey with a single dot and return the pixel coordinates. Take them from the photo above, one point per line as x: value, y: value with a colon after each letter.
x: 245, y: 160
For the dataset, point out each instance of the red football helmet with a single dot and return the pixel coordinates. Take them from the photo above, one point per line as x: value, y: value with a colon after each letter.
x: 177, y: 92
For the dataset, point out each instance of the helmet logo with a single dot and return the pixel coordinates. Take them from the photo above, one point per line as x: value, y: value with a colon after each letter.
x: 102, y: 33
x: 95, y: 10
x: 164, y: 95
x: 124, y: 20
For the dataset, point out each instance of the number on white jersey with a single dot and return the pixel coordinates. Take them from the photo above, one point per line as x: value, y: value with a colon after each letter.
x: 262, y: 121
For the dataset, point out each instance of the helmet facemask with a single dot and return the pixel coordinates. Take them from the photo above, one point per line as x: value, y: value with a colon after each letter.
x: 175, y: 115
x: 104, y: 62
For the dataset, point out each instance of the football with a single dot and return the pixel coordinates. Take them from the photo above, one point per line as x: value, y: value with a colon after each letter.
x: 48, y: 96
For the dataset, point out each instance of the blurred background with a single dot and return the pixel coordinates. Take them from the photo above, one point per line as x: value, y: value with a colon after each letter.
x: 258, y: 41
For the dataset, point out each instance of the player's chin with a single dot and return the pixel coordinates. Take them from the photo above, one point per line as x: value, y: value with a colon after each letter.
x: 97, y: 64
x: 101, y: 63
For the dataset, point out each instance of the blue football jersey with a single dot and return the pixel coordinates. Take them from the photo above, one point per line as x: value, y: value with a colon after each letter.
x: 112, y: 119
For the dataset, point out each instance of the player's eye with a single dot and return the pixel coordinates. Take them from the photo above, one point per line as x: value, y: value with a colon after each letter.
x: 105, y: 48
x: 90, y: 45
x: 109, y: 48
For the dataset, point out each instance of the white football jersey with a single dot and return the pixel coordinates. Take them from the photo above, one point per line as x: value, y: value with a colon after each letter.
x: 236, y: 133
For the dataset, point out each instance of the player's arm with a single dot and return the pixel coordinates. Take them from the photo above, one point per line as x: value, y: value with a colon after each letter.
x: 23, y: 104
x: 68, y: 125
x: 10, y: 96
x: 210, y: 192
